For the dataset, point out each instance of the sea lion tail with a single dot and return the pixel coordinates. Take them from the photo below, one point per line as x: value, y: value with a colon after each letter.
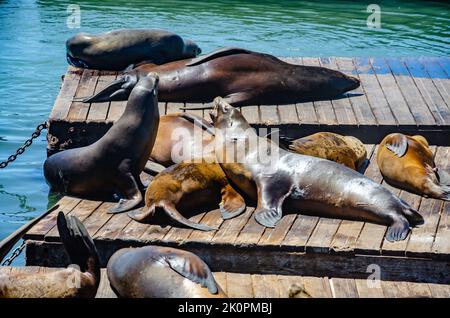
x: 413, y: 216
x: 173, y: 213
x: 78, y: 244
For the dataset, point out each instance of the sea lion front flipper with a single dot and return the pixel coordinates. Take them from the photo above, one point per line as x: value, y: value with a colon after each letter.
x: 173, y: 213
x: 218, y: 53
x: 272, y: 191
x: 133, y: 196
x: 153, y: 168
x: 232, y: 204
x: 398, y: 230
x: 397, y: 144
x: 193, y: 268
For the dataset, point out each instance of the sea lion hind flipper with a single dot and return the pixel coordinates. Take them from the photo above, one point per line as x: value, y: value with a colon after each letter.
x: 267, y: 217
x: 397, y: 144
x: 232, y: 204
x: 133, y: 196
x: 218, y: 53
x: 200, y: 122
x: 193, y: 268
x: 117, y: 90
x: 76, y: 240
x: 153, y: 168
x: 398, y: 231
x: 173, y: 213
x: 143, y: 215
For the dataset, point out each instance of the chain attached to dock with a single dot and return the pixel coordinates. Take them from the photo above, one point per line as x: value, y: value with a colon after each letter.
x: 26, y: 144
x: 14, y: 254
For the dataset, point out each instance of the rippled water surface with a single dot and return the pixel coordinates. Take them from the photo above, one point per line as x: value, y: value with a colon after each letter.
x: 32, y: 55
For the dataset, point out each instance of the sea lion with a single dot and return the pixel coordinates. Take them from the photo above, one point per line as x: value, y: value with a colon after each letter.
x: 189, y: 186
x: 406, y: 162
x: 304, y: 183
x: 242, y: 76
x: 116, y: 50
x: 113, y: 163
x: 72, y: 282
x: 161, y: 272
x: 346, y: 150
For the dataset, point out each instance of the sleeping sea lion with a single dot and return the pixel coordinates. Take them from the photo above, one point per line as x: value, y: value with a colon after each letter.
x: 72, y: 282
x: 242, y: 76
x: 190, y: 186
x: 346, y: 150
x: 406, y: 162
x: 116, y: 50
x: 304, y: 183
x: 113, y: 163
x: 161, y: 272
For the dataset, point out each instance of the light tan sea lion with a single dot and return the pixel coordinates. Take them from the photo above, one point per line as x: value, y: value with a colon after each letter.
x: 406, y: 162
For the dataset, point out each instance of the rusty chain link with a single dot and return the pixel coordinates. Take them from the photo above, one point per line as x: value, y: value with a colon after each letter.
x: 27, y: 143
x: 14, y: 255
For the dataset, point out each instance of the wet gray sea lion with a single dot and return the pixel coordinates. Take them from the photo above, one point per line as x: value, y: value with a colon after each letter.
x: 71, y: 282
x: 187, y: 187
x: 112, y: 164
x: 304, y: 183
x: 407, y: 162
x: 116, y: 50
x: 161, y: 272
x: 243, y: 77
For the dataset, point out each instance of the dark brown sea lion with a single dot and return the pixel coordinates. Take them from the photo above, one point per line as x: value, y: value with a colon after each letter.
x: 116, y: 50
x: 161, y: 272
x: 407, y: 162
x: 113, y: 163
x: 304, y: 183
x: 72, y: 282
x: 243, y: 77
x: 190, y: 186
x: 346, y: 150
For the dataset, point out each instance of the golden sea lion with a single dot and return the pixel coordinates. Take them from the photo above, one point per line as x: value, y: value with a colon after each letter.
x: 346, y: 150
x: 72, y: 282
x: 161, y: 272
x: 406, y: 162
x: 190, y: 186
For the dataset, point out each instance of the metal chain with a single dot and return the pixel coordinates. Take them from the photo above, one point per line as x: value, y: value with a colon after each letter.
x: 14, y: 254
x: 27, y: 143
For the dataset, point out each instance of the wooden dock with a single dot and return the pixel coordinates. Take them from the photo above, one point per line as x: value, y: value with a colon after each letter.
x: 396, y: 95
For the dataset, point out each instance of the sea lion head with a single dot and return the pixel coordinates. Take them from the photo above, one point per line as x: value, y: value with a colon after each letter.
x: 191, y: 49
x: 75, y: 49
x: 225, y: 116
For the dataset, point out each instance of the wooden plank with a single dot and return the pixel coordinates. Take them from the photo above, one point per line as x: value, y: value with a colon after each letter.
x: 221, y: 280
x: 428, y: 90
x: 212, y: 219
x: 67, y: 92
x: 274, y: 237
x: 292, y: 287
x: 37, y: 232
x: 300, y: 231
x: 81, y: 211
x: 154, y: 233
x: 104, y: 289
x: 269, y: 115
x: 372, y: 235
x: 441, y: 246
x: 368, y: 291
x: 250, y: 234
x: 99, y: 111
x: 323, y: 235
x: 317, y: 287
x: 251, y: 113
x: 375, y: 96
x: 239, y: 285
x: 392, y: 93
x: 358, y: 99
x: 341, y: 105
x: 174, y: 108
x: 419, y: 290
x: 324, y: 108
x: 113, y: 227
x: 395, y: 289
x: 344, y: 288
x: 98, y: 218
x: 179, y: 235
x: 439, y: 76
x: 265, y: 286
x: 439, y: 290
x: 116, y: 110
x: 405, y: 82
x: 86, y: 87
x: 288, y: 114
x: 231, y: 228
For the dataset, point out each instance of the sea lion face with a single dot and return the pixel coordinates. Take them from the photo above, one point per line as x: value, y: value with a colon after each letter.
x: 225, y: 116
x: 341, y: 83
x: 75, y: 47
x: 191, y: 49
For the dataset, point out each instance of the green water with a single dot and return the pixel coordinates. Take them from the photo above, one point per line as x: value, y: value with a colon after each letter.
x: 32, y: 56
